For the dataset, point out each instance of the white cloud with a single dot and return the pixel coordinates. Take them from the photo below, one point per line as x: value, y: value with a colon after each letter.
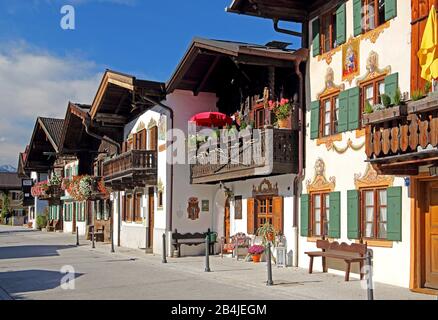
x: 36, y: 83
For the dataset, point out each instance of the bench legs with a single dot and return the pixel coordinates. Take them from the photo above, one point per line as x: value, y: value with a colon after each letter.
x: 347, y: 272
x: 311, y: 265
x: 324, y: 265
x: 361, y: 271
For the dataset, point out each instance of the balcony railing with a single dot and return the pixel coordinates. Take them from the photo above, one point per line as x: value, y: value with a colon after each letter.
x: 131, y: 169
x: 262, y: 153
x: 403, y: 144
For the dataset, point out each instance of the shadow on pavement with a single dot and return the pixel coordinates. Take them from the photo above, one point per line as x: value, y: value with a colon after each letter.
x: 17, y: 252
x: 19, y: 282
x: 6, y: 232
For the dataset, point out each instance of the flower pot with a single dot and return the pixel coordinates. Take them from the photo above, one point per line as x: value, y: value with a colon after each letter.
x: 283, y: 123
x: 256, y: 258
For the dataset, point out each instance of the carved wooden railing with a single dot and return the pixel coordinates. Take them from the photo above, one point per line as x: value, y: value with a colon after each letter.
x: 134, y: 161
x: 215, y: 159
x: 411, y: 134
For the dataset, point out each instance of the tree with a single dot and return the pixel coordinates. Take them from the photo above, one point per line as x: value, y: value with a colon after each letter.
x: 5, y: 207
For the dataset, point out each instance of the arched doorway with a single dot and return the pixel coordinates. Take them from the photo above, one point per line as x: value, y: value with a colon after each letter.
x: 227, y: 220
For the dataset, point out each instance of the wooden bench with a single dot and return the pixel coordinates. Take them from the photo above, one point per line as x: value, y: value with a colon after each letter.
x: 54, y: 226
x: 353, y: 253
x: 190, y: 239
x: 49, y: 226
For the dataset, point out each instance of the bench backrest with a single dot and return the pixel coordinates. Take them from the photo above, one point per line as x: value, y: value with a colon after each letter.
x: 188, y: 236
x: 354, y: 249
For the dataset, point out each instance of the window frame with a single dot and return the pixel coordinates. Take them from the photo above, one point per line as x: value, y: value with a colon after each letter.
x: 375, y: 82
x: 331, y: 15
x: 376, y: 214
x: 259, y: 215
x: 324, y: 222
x: 365, y: 14
x: 322, y: 124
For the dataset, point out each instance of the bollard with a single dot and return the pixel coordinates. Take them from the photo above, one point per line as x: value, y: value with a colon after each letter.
x: 146, y: 240
x: 77, y: 236
x: 269, y: 265
x: 92, y: 237
x: 164, y: 249
x: 112, y: 238
x: 207, y: 253
x: 370, y: 284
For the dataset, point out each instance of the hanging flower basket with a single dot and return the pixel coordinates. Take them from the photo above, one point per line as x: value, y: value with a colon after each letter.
x: 40, y: 189
x: 80, y: 188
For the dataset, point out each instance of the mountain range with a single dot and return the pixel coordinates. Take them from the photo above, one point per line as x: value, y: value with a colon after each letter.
x: 7, y: 168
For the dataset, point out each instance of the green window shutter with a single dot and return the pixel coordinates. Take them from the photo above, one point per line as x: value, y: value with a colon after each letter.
x: 390, y: 9
x: 335, y: 215
x: 353, y: 214
x: 314, y: 120
x: 343, y: 112
x: 391, y: 85
x: 305, y: 212
x: 341, y: 26
x: 394, y: 213
x: 353, y: 108
x: 77, y: 170
x: 316, y: 40
x: 357, y: 17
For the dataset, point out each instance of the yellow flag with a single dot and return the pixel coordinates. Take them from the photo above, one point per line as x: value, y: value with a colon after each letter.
x: 428, y: 53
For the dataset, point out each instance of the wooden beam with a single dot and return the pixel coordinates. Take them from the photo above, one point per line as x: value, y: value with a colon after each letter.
x: 206, y: 76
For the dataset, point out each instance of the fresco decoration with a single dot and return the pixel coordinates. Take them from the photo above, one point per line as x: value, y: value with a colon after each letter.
x: 351, y: 60
x: 328, y: 56
x: 373, y: 70
x: 320, y: 182
x: 265, y: 188
x: 374, y: 34
x: 140, y: 126
x: 341, y: 150
x: 205, y: 205
x: 162, y: 128
x: 372, y: 179
x: 160, y: 185
x: 152, y: 123
x: 330, y: 86
x: 193, y: 208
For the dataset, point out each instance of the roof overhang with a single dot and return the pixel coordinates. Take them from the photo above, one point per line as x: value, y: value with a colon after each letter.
x: 286, y: 10
x: 205, y: 53
x: 118, y: 94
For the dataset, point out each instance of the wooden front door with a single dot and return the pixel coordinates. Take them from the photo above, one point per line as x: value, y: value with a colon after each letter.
x: 420, y: 13
x: 431, y: 233
x: 151, y: 218
x: 227, y: 218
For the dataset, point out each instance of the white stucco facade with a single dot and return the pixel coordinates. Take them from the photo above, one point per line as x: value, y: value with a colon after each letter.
x: 392, y: 45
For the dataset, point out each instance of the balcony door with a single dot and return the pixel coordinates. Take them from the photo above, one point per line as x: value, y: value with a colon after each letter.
x: 431, y: 235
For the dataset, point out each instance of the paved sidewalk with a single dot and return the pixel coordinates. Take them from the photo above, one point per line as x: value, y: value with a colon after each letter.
x: 30, y: 264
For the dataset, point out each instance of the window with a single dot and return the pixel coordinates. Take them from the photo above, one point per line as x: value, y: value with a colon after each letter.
x: 329, y: 115
x: 15, y: 195
x: 106, y: 210
x: 98, y: 210
x: 328, y: 32
x: 238, y: 207
x: 372, y: 92
x: 153, y: 138
x: 160, y: 199
x: 259, y: 118
x: 264, y: 211
x: 80, y: 211
x: 128, y: 208
x: 374, y: 213
x: 373, y: 14
x: 137, y: 207
x: 320, y: 214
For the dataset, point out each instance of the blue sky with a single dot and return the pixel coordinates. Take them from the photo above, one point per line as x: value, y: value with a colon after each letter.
x: 142, y: 37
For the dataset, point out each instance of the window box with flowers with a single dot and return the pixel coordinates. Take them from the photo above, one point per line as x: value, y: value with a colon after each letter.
x: 282, y: 111
x: 389, y: 109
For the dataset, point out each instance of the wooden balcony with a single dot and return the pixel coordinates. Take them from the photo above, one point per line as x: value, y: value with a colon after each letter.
x: 220, y: 162
x: 402, y: 145
x: 135, y: 168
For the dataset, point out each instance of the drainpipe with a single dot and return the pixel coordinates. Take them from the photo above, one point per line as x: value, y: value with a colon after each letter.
x: 299, y: 178
x: 170, y: 110
x: 285, y: 31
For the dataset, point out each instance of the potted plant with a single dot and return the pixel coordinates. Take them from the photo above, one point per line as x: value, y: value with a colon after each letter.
x: 256, y: 252
x: 282, y: 110
x: 267, y: 231
x: 390, y: 109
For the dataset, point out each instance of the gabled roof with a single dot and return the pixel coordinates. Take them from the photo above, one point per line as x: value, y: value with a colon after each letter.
x: 53, y: 128
x: 10, y: 181
x: 118, y: 93
x: 203, y: 55
x: 288, y: 10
